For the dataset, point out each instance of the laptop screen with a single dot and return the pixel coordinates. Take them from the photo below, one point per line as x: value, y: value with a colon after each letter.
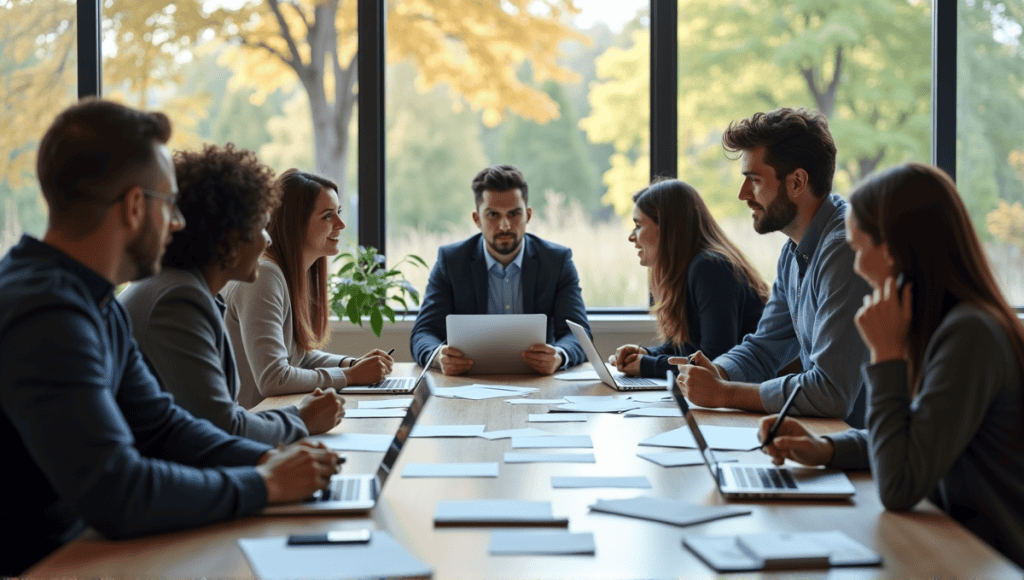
x: 702, y: 445
x: 419, y: 400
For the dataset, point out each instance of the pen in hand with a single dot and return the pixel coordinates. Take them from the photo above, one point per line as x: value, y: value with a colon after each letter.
x: 390, y: 352
x: 782, y: 416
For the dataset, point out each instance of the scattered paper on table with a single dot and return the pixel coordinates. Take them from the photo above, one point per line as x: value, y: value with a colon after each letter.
x: 386, y: 403
x: 374, y: 413
x: 580, y: 482
x: 535, y: 401
x: 514, y: 457
x: 450, y: 470
x: 577, y: 376
x: 613, y: 406
x: 556, y: 418
x: 553, y: 441
x: 356, y: 441
x: 652, y: 397
x: 669, y: 511
x: 495, y: 511
x: 717, y: 437
x: 682, y: 458
x: 547, y: 543
x: 594, y: 398
x: 654, y: 412
x: 446, y: 431
x: 478, y: 392
x: 382, y: 556
x: 509, y: 433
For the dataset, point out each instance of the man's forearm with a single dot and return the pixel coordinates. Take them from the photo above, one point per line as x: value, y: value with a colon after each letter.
x: 745, y: 396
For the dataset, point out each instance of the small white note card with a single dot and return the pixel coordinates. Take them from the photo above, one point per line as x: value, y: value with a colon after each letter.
x: 356, y: 441
x: 556, y: 418
x: 496, y: 511
x: 386, y: 403
x: 542, y: 543
x: 554, y: 441
x: 682, y: 458
x: 374, y: 413
x: 446, y: 431
x: 535, y: 401
x: 513, y: 457
x: 509, y: 433
x: 667, y: 510
x: 579, y: 482
x: 654, y: 412
x: 450, y: 470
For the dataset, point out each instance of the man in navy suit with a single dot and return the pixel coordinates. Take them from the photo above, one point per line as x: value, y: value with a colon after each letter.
x: 502, y: 270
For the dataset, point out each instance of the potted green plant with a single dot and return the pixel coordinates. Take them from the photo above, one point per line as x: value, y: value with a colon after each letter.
x: 364, y: 288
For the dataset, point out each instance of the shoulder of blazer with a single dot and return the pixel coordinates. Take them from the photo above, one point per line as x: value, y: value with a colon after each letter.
x: 462, y: 252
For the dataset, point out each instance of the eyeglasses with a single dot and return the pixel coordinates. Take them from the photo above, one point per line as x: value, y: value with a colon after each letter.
x: 170, y: 198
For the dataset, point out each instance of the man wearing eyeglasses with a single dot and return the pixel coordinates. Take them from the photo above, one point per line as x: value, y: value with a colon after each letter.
x: 89, y: 438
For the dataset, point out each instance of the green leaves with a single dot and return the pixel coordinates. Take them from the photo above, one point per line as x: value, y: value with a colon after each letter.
x: 363, y: 287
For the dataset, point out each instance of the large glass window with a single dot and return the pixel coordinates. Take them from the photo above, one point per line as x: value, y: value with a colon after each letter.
x: 990, y: 126
x: 38, y: 70
x: 226, y: 71
x: 865, y: 65
x: 472, y: 84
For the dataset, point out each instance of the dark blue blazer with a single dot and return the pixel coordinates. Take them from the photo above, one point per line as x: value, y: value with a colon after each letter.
x: 458, y: 285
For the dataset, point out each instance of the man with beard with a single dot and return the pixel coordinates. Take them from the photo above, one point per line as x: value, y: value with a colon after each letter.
x: 90, y: 438
x: 502, y: 270
x: 788, y: 161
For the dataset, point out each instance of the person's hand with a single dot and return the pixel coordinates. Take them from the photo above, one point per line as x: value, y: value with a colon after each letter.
x: 294, y: 472
x: 321, y: 410
x: 452, y: 362
x: 883, y: 321
x: 378, y: 353
x: 543, y: 358
x: 794, y: 441
x: 700, y: 381
x: 370, y: 369
x: 627, y: 359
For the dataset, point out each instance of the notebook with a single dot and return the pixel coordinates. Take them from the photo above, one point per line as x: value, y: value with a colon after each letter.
x: 494, y: 341
x: 359, y: 493
x: 616, y: 381
x: 398, y: 385
x: 763, y: 481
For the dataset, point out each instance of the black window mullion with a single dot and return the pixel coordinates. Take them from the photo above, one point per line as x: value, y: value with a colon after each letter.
x: 944, y: 23
x: 371, y: 123
x: 89, y: 42
x: 664, y: 88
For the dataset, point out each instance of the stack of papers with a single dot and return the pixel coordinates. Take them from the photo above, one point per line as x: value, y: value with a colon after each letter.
x: 781, y: 551
x: 496, y: 511
x: 669, y: 511
x: 477, y: 392
x: 273, y: 559
x: 543, y: 543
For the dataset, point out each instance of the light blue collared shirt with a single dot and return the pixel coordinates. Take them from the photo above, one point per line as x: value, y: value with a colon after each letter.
x: 504, y: 284
x: 810, y: 315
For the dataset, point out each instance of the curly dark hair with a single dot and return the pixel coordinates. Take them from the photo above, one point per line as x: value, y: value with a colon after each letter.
x: 224, y: 192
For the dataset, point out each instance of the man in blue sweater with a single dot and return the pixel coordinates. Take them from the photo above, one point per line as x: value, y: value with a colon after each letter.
x: 90, y: 438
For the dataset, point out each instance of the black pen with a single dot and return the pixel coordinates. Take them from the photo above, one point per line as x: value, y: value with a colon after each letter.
x: 782, y: 415
x: 391, y: 351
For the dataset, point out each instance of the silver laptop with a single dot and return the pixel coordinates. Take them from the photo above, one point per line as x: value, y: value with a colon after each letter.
x: 494, y: 341
x: 397, y: 385
x: 359, y: 493
x: 765, y: 481
x: 617, y: 381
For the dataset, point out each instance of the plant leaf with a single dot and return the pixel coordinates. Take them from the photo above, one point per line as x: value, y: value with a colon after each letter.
x: 376, y: 322
x: 353, y: 309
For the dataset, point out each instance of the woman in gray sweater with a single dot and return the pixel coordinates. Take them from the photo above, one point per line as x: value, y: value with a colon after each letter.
x: 944, y: 380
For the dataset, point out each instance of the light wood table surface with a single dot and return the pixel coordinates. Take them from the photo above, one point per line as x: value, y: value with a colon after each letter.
x: 920, y: 543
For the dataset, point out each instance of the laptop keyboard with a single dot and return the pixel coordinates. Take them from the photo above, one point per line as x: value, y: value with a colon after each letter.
x: 763, y: 477
x: 635, y: 382
x: 340, y: 489
x: 390, y: 384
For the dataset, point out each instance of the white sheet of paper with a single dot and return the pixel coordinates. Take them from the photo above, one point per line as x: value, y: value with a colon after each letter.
x: 556, y: 418
x: 446, y: 431
x: 479, y: 392
x: 552, y: 543
x: 652, y: 397
x: 577, y: 376
x: 513, y: 457
x: 509, y: 433
x: 494, y: 511
x: 450, y: 470
x: 552, y: 442
x: 580, y: 482
x: 273, y: 559
x: 356, y: 441
x: 614, y: 406
x: 654, y: 412
x: 509, y: 388
x: 535, y: 401
x: 386, y: 403
x: 594, y: 398
x: 374, y: 413
x: 683, y: 458
x: 718, y: 437
x: 667, y: 510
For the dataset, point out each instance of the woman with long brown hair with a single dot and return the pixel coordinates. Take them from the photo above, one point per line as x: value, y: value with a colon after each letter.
x: 278, y: 323
x: 947, y: 359
x: 707, y: 296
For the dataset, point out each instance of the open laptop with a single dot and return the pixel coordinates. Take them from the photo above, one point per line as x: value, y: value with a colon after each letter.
x: 397, y: 385
x: 359, y: 493
x: 617, y: 381
x: 765, y: 481
x: 494, y: 341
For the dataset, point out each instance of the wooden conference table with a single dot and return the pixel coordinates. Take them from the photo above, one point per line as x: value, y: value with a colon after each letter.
x: 920, y: 543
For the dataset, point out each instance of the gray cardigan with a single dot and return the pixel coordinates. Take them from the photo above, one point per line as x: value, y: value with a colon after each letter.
x: 180, y: 328
x: 270, y: 362
x: 960, y: 441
